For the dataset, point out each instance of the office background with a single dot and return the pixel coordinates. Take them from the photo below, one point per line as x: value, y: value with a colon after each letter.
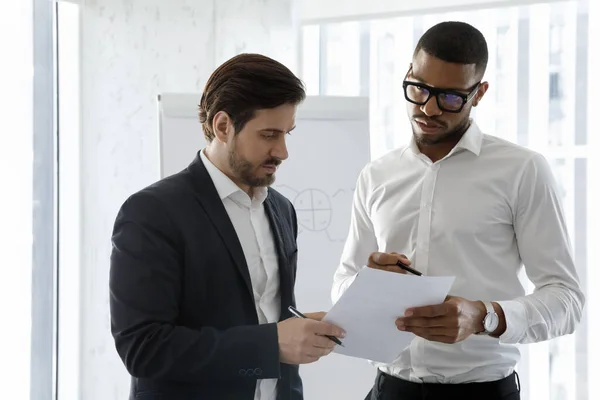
x: 80, y: 134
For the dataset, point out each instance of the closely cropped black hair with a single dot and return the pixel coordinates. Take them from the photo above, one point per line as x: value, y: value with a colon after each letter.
x: 455, y: 42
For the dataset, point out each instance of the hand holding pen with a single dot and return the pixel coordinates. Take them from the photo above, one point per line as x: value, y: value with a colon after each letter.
x: 304, y: 340
x: 300, y: 315
x: 392, y: 262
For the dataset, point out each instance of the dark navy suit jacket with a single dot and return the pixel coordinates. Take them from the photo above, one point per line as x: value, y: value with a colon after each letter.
x: 182, y: 310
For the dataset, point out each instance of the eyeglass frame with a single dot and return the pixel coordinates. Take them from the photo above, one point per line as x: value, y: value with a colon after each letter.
x: 437, y: 91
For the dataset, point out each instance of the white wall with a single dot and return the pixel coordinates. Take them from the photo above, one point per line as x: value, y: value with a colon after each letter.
x: 269, y: 27
x: 131, y: 51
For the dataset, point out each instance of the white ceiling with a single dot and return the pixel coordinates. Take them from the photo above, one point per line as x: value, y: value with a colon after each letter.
x: 319, y: 11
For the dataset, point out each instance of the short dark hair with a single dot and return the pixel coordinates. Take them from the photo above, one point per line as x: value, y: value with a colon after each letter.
x: 455, y: 42
x: 245, y: 84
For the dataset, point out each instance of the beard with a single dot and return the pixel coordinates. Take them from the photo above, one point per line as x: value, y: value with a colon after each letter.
x: 450, y: 135
x: 246, y: 172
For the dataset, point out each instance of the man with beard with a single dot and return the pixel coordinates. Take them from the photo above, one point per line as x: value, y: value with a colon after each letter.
x: 204, y: 262
x: 461, y: 203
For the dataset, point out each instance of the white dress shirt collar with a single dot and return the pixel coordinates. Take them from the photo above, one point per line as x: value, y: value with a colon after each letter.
x: 471, y: 140
x: 226, y: 188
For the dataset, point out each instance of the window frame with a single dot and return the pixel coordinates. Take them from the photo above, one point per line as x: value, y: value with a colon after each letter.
x: 43, y: 379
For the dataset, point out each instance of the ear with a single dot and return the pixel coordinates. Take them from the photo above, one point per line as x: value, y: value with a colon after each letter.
x: 222, y: 125
x: 483, y: 87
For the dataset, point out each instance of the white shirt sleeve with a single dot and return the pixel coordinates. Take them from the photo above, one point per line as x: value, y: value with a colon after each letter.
x: 361, y: 241
x: 555, y: 307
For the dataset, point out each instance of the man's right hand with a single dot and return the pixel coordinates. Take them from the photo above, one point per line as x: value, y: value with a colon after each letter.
x: 387, y: 262
x: 302, y: 341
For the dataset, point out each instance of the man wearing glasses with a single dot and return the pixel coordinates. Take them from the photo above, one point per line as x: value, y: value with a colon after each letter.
x: 458, y: 202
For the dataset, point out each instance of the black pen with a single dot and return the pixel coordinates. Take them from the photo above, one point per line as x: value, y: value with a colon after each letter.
x: 300, y: 315
x: 409, y: 269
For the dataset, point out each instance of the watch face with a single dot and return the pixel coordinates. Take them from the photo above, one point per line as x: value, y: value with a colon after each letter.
x: 490, y: 322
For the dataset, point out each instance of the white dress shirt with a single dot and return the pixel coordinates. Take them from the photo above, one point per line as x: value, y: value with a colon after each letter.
x: 254, y: 232
x: 480, y: 213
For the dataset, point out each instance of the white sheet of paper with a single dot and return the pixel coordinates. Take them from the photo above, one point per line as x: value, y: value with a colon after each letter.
x: 367, y: 311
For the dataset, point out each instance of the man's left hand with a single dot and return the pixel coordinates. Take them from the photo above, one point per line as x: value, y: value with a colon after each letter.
x: 450, y: 322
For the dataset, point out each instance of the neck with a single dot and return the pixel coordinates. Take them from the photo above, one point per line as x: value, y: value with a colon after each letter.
x: 221, y: 161
x: 437, y: 151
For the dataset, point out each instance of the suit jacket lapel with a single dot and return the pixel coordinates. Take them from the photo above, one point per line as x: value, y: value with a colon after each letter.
x: 207, y: 194
x: 285, y: 278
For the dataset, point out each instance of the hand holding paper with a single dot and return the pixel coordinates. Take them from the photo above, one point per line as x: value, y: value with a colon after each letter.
x: 452, y: 321
x: 368, y: 310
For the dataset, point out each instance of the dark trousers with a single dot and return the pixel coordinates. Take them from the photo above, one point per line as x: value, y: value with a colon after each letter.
x: 388, y: 387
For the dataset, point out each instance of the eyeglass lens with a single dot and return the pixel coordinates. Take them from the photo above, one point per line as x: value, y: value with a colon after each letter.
x: 449, y: 101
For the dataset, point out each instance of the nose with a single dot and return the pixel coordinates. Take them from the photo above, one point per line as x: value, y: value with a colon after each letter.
x: 431, y: 107
x: 280, y: 150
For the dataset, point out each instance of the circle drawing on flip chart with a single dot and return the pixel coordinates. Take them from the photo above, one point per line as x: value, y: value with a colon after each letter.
x: 313, y: 209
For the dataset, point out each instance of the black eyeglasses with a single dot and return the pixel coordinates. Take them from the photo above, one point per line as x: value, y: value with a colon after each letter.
x: 447, y: 100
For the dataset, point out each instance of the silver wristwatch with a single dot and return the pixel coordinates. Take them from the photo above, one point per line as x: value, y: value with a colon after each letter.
x: 491, y: 320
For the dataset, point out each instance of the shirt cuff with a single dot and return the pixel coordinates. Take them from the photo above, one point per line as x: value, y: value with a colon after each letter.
x: 516, y: 321
x: 343, y: 286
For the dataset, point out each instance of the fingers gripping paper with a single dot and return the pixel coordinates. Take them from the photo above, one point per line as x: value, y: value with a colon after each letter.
x: 367, y: 311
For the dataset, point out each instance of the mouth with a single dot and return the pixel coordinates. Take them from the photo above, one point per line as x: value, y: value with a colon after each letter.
x: 269, y: 168
x: 428, y: 126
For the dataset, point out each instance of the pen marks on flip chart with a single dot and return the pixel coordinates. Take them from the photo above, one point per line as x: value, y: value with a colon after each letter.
x: 313, y: 208
x: 321, y: 213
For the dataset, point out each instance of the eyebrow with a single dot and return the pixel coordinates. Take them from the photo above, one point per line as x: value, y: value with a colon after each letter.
x: 421, y: 80
x: 277, y: 130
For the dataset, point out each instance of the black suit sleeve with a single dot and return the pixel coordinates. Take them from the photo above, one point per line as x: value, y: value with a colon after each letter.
x: 146, y: 275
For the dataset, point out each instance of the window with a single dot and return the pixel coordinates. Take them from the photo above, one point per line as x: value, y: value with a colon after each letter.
x: 27, y: 201
x: 554, y: 88
x: 538, y: 97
